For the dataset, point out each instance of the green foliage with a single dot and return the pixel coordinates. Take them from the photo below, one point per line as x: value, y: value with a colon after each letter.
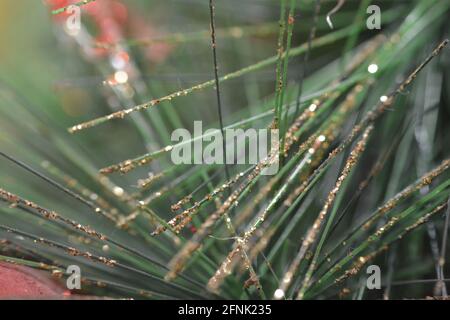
x: 363, y: 178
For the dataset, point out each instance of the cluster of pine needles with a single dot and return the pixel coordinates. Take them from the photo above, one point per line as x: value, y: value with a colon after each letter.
x: 364, y: 156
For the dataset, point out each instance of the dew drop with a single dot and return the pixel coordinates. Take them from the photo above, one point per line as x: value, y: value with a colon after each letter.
x: 121, y: 77
x: 373, y: 68
x: 383, y: 98
x: 279, y: 294
x: 118, y: 191
x: 313, y: 107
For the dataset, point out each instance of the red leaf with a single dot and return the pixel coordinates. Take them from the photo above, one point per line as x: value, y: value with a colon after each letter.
x: 19, y: 282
